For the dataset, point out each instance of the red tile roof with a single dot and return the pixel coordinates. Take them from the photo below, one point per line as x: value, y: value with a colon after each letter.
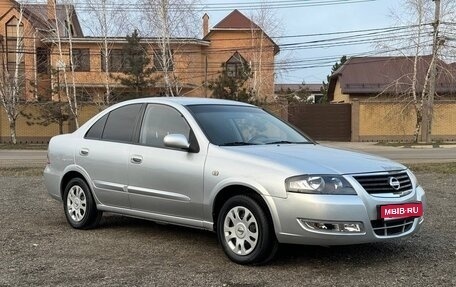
x: 236, y: 20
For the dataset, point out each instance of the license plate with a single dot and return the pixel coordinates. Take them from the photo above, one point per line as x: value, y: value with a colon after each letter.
x: 401, y: 210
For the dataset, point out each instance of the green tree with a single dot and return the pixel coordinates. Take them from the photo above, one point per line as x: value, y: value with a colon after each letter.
x: 231, y: 85
x: 137, y: 72
x: 335, y: 67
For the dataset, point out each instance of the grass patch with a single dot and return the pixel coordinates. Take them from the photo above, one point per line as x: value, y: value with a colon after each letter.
x: 21, y: 171
x: 444, y: 168
x: 24, y: 146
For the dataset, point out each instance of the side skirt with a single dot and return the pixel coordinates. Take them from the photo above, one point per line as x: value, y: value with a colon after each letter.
x: 162, y: 218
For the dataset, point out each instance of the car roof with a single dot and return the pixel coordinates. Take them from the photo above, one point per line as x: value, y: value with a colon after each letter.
x: 186, y: 101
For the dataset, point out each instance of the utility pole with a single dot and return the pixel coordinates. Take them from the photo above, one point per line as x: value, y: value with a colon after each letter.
x: 429, y: 107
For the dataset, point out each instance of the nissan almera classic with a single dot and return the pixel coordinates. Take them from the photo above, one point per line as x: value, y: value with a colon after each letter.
x: 231, y: 168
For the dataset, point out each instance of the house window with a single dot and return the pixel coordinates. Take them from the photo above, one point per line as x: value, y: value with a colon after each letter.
x: 42, y: 60
x: 81, y: 60
x: 160, y: 64
x: 235, y: 65
x: 83, y: 95
x: 69, y: 29
x: 15, y: 45
x: 116, y: 61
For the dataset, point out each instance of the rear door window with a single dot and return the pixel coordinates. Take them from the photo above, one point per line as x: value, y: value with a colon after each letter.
x: 121, y: 123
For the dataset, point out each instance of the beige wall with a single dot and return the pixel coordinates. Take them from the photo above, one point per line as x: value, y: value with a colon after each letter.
x: 27, y: 132
x: 381, y: 121
x: 444, y: 125
x: 339, y: 96
x: 36, y: 133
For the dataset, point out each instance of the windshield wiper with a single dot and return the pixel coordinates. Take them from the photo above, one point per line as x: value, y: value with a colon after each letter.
x: 288, y: 142
x: 237, y: 144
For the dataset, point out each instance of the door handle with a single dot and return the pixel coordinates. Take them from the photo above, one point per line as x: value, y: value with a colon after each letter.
x: 137, y: 159
x: 84, y: 151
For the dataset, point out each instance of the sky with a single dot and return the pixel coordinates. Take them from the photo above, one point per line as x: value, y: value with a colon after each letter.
x: 319, y: 19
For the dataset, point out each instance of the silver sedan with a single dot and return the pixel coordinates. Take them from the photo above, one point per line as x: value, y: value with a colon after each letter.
x: 231, y: 168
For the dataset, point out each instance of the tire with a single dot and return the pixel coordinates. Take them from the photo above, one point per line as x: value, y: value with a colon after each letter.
x: 80, y: 209
x: 245, y: 231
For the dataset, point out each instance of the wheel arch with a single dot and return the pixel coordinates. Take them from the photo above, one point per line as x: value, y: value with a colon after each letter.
x: 237, y: 189
x: 69, y: 175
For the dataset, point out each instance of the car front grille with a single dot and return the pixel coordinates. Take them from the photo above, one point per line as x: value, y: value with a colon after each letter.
x: 392, y: 227
x: 381, y: 183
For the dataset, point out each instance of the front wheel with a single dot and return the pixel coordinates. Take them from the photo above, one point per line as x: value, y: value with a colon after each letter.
x: 245, y: 232
x: 80, y: 209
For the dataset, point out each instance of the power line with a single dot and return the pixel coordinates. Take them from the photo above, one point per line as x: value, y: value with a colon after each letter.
x: 208, y: 7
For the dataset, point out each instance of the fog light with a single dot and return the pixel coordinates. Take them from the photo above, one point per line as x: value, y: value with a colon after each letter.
x: 332, y: 227
x: 351, y: 227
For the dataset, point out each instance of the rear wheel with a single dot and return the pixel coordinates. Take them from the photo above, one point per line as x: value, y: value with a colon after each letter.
x: 80, y: 209
x: 245, y: 231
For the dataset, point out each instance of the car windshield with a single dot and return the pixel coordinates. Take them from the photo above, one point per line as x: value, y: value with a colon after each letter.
x: 230, y: 125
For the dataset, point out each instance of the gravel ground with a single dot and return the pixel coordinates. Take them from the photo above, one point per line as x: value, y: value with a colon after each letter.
x: 38, y: 248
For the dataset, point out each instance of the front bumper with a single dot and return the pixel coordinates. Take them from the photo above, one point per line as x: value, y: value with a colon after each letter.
x: 289, y: 213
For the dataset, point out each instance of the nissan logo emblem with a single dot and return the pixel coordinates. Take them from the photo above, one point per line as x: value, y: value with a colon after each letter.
x: 394, y: 183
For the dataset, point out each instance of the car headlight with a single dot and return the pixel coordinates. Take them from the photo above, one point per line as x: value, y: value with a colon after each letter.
x: 319, y: 184
x: 413, y: 177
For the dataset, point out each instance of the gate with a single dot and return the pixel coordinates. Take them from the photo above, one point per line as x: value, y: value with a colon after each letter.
x: 331, y: 122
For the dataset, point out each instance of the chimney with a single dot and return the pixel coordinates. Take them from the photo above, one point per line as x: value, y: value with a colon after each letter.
x: 205, y: 25
x: 51, y: 9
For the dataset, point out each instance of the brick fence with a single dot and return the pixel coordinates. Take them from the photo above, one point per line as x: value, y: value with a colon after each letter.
x: 30, y: 131
x: 392, y: 121
x: 370, y: 121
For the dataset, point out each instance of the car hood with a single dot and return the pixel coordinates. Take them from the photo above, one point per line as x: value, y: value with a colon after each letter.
x: 317, y: 159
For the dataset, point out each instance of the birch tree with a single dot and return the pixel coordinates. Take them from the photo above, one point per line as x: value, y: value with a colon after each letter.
x: 64, y: 63
x: 102, y: 20
x: 413, y: 88
x: 12, y: 75
x: 265, y: 24
x: 167, y: 19
x: 72, y: 95
x: 62, y: 31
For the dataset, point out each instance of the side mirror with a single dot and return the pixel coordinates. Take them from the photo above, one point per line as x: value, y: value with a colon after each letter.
x: 176, y: 141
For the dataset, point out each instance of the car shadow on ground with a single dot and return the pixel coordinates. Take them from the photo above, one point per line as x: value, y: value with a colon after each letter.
x: 363, y: 255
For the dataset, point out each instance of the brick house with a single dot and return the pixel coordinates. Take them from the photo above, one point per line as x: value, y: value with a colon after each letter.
x: 38, y: 44
x: 386, y: 77
x: 378, y: 89
x: 195, y: 61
